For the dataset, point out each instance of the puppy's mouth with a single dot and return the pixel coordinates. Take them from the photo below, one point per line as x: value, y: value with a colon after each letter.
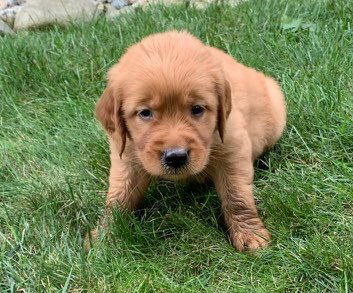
x: 176, y: 175
x: 175, y: 172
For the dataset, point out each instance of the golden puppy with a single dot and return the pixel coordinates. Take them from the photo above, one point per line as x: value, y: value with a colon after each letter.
x: 175, y: 108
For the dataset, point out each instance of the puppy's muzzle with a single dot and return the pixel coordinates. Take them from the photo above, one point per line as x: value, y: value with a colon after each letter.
x: 175, y: 158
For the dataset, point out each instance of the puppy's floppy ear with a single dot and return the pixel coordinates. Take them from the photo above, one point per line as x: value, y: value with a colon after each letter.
x: 109, y: 113
x: 224, y: 106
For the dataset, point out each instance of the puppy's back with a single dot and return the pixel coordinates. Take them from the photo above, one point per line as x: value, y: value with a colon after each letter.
x: 258, y: 98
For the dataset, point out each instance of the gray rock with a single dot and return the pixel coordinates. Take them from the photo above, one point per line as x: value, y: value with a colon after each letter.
x: 5, y: 29
x: 197, y: 3
x: 8, y: 15
x: 3, y: 4
x: 11, y: 3
x: 40, y: 12
x: 103, y: 1
x: 100, y: 9
x: 118, y: 4
x: 112, y: 12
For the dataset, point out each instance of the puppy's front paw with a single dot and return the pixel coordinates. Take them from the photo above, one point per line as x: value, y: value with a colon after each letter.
x: 250, y: 237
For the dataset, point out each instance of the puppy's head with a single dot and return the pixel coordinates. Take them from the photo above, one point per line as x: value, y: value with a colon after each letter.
x: 167, y: 96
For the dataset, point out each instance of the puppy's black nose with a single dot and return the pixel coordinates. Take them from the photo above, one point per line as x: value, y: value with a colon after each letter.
x: 175, y: 158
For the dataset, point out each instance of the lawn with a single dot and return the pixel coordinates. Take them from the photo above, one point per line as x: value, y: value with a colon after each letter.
x: 54, y: 160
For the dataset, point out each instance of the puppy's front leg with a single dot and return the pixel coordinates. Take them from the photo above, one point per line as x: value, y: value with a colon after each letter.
x: 233, y: 181
x: 127, y: 185
x: 126, y: 189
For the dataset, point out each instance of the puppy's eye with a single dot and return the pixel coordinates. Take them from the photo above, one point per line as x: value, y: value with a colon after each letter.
x: 197, y: 110
x: 145, y: 114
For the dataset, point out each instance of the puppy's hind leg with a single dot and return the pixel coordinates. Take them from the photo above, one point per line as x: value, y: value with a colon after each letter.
x: 126, y: 189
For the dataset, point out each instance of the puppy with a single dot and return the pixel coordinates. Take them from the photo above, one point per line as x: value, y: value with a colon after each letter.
x: 175, y: 108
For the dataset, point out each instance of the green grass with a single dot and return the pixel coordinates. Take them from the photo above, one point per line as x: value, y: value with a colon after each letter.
x: 54, y: 160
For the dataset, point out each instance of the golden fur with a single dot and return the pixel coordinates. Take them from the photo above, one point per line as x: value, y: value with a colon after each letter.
x: 244, y: 114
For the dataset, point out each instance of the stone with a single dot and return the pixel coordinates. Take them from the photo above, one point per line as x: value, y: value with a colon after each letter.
x: 3, y: 4
x: 5, y: 29
x: 100, y: 9
x: 112, y: 12
x: 8, y: 15
x: 165, y: 2
x: 118, y: 4
x: 103, y: 1
x: 197, y: 3
x: 12, y: 3
x: 41, y: 12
